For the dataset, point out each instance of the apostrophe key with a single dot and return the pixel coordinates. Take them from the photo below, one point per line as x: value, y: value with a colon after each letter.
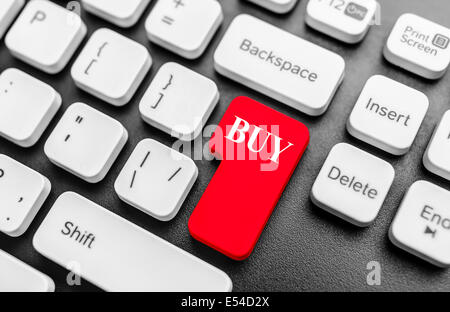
x: 260, y: 149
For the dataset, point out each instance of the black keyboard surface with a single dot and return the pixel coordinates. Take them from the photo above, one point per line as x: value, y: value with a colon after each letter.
x: 302, y: 248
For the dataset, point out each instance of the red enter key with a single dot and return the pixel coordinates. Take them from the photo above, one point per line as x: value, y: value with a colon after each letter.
x: 259, y: 148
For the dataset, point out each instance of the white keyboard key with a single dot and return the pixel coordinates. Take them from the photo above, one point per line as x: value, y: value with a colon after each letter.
x: 419, y: 46
x: 437, y: 156
x: 45, y: 35
x: 279, y: 64
x: 388, y: 115
x: 122, y: 13
x: 27, y: 107
x: 22, y: 193
x: 422, y: 223
x: 111, y: 67
x: 86, y: 142
x: 17, y: 276
x: 8, y: 11
x: 352, y: 184
x: 179, y: 101
x: 345, y: 20
x: 117, y: 255
x: 277, y: 6
x: 156, y: 179
x: 184, y: 27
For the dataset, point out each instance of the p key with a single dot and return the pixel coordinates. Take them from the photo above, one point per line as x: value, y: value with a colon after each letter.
x: 45, y: 35
x: 258, y: 161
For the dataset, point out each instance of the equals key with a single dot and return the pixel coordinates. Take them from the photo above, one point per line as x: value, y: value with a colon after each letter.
x: 167, y: 20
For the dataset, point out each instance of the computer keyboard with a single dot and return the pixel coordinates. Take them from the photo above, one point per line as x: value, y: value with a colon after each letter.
x: 101, y: 105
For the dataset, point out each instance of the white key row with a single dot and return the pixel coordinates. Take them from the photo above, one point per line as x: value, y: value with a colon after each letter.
x: 184, y: 27
x: 353, y: 185
x: 46, y: 36
x: 156, y: 179
x: 414, y: 44
x: 389, y: 120
x: 105, y: 69
x: 29, y: 104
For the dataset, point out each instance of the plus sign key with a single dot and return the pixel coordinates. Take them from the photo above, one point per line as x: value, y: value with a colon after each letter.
x: 184, y: 27
x: 260, y: 149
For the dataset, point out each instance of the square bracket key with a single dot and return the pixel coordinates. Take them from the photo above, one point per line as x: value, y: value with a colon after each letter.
x: 179, y: 101
x: 111, y: 67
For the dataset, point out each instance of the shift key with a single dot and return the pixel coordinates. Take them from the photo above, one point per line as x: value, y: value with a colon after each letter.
x: 278, y: 64
x: 117, y: 255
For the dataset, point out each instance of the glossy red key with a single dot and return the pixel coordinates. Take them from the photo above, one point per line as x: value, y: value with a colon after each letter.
x: 260, y: 149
